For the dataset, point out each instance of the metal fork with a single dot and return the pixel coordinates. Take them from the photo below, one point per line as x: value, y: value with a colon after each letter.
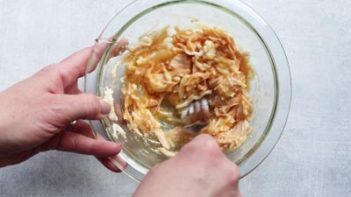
x: 193, y: 109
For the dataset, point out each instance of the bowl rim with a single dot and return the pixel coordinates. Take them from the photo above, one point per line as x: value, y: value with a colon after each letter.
x: 280, y: 67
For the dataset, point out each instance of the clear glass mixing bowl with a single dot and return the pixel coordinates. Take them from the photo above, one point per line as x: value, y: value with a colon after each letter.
x: 270, y: 88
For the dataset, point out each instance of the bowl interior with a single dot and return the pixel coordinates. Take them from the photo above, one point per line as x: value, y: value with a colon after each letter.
x: 183, y: 14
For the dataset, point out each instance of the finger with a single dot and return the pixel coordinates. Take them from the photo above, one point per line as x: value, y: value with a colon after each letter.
x: 108, y: 164
x: 114, y: 163
x: 78, y: 61
x: 118, y: 112
x: 95, y: 58
x: 73, y: 89
x: 83, y: 128
x: 201, y: 148
x: 85, y: 61
x: 75, y: 66
x: 73, y: 142
x: 83, y: 106
x: 119, y: 47
x: 202, y: 142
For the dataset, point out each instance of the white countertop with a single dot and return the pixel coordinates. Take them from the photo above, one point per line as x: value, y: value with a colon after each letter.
x: 313, y: 157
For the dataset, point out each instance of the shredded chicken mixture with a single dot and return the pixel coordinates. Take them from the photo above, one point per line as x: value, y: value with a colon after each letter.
x: 189, y: 77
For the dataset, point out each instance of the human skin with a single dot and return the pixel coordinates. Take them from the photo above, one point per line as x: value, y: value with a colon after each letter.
x: 36, y: 116
x: 36, y: 113
x: 199, y: 169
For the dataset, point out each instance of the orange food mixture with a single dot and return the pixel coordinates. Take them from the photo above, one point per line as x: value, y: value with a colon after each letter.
x: 167, y: 73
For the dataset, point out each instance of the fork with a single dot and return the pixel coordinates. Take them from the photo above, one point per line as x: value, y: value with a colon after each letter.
x: 196, y: 109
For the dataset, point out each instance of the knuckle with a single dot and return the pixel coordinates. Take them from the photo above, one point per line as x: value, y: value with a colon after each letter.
x: 204, y: 148
x: 208, y: 144
x: 75, y: 143
x: 234, y: 174
x: 92, y: 103
x: 203, y: 144
x: 49, y: 70
x: 57, y: 109
x: 236, y: 177
x: 56, y: 106
x: 154, y: 171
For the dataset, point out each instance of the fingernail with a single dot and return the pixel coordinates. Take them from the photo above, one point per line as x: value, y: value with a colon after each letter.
x: 118, y: 146
x: 104, y: 107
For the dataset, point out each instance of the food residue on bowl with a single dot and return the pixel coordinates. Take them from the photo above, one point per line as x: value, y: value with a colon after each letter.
x: 178, y: 85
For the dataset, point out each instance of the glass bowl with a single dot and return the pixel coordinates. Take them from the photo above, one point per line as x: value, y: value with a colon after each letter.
x: 270, y: 87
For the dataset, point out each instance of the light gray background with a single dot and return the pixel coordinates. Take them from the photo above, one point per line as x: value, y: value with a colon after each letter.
x: 313, y: 157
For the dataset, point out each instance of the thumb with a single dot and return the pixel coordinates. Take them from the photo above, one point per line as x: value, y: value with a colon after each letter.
x: 202, y: 147
x: 84, y: 106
